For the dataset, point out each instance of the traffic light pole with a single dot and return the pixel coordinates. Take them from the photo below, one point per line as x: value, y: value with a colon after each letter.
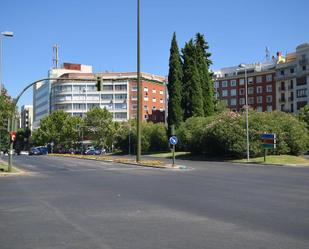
x: 15, y: 101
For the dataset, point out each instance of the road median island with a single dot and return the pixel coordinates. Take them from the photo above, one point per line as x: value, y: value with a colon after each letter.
x: 143, y: 163
x: 4, y: 170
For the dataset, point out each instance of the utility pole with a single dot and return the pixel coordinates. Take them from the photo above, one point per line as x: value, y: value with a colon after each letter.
x: 139, y: 90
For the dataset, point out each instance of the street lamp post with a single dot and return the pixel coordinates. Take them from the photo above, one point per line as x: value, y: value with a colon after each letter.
x: 247, y: 107
x: 7, y: 34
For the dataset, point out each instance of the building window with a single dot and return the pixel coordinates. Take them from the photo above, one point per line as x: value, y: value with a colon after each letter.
x: 282, y: 72
x: 250, y: 80
x: 260, y: 99
x: 146, y: 98
x: 224, y: 93
x: 258, y: 79
x: 161, y: 92
x: 233, y: 101
x: 242, y: 101
x: 241, y: 81
x: 241, y: 91
x: 291, y: 84
x: 145, y: 89
x: 301, y: 93
x: 301, y: 104
x: 233, y: 92
x: 224, y: 83
x: 251, y: 101
x: 120, y: 96
x: 301, y: 81
x: 154, y: 99
x: 216, y: 84
x: 134, y: 88
x: 161, y: 101
x: 145, y: 107
x: 120, y: 87
x: 269, y: 99
x: 304, y: 68
x: 154, y: 91
x: 269, y: 77
x: 269, y: 88
x: 259, y: 89
x: 291, y: 70
x: 233, y: 82
x: 269, y: 108
x: 250, y: 90
x: 259, y: 108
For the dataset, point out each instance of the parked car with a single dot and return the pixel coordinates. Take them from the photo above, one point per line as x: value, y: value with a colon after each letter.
x: 34, y: 151
x: 93, y: 152
x: 40, y: 150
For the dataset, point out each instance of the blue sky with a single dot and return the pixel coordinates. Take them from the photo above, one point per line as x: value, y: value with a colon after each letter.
x: 102, y: 33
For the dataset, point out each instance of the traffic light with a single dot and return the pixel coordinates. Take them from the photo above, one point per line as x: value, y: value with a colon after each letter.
x: 13, y: 136
x: 99, y: 83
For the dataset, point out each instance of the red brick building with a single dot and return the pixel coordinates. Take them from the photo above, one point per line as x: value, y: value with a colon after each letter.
x: 230, y: 86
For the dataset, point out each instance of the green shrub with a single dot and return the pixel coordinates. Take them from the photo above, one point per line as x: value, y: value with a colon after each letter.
x: 153, y: 138
x: 225, y: 134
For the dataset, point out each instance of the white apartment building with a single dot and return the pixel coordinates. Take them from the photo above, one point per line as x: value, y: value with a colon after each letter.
x: 78, y: 94
x: 292, y: 80
x: 26, y: 116
x: 42, y: 90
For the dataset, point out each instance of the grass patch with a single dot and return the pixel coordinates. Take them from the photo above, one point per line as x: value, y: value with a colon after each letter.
x: 277, y: 159
x: 169, y: 154
x: 4, y: 168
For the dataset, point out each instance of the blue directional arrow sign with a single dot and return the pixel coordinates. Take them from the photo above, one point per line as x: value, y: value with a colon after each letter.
x: 173, y: 140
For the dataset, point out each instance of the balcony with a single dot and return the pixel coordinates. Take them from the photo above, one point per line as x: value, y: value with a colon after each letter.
x: 291, y: 98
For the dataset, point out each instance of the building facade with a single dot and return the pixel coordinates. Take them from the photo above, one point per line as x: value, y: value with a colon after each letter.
x: 26, y: 117
x: 282, y: 84
x: 230, y: 86
x: 292, y: 80
x: 118, y: 94
x: 42, y: 90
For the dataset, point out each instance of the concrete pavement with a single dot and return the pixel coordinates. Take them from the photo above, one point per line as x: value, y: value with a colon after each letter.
x: 73, y: 203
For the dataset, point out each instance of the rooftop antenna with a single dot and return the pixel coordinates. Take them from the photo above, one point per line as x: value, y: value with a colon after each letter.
x: 55, y: 56
x: 267, y: 52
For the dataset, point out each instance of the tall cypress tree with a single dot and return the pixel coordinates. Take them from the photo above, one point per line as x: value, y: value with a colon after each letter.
x: 175, y: 114
x: 192, y: 98
x: 203, y: 63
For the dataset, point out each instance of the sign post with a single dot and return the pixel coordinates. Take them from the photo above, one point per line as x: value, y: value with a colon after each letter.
x: 173, y: 141
x: 268, y: 142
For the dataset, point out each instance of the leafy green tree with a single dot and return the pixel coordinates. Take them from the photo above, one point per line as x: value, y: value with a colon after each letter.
x: 58, y: 127
x: 154, y: 137
x: 203, y: 63
x: 303, y: 115
x: 100, y: 127
x: 6, y: 109
x: 175, y: 114
x: 192, y: 95
x: 22, y: 139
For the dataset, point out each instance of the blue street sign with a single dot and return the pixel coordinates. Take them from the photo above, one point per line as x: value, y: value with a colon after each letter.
x: 173, y: 140
x: 268, y: 136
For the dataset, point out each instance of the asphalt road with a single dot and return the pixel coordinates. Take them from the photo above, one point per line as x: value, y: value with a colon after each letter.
x: 80, y: 204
